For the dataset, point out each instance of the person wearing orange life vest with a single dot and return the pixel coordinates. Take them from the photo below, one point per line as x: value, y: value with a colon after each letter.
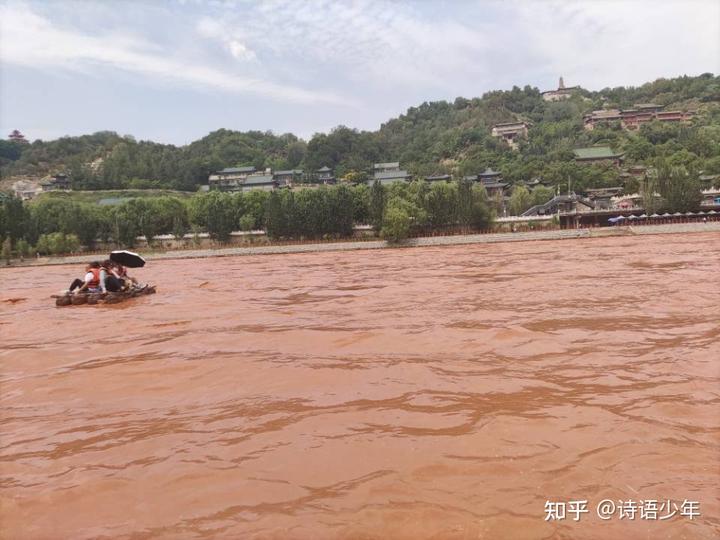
x: 91, y: 282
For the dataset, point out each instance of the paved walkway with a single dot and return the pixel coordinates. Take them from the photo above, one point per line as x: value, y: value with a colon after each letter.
x: 414, y: 242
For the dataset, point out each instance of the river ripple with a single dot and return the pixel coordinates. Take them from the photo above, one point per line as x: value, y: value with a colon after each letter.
x: 421, y: 393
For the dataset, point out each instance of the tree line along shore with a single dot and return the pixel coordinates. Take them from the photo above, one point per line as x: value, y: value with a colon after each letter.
x: 439, y: 138
x: 55, y: 226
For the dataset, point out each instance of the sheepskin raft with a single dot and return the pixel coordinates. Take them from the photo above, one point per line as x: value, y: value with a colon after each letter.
x: 69, y: 299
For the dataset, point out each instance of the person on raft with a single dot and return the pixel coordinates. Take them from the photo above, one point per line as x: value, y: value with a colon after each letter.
x: 110, y: 279
x: 123, y: 275
x: 91, y: 282
x: 99, y: 278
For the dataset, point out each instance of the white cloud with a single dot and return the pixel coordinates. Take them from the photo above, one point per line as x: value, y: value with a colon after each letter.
x: 448, y: 46
x: 240, y: 51
x: 215, y: 30
x: 29, y: 39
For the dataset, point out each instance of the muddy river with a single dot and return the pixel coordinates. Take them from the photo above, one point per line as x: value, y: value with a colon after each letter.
x: 446, y: 392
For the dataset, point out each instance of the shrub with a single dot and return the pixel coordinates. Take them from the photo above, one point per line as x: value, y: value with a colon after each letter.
x: 247, y: 222
x: 395, y: 225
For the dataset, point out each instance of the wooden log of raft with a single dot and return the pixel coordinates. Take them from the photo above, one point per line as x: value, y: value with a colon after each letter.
x: 101, y: 298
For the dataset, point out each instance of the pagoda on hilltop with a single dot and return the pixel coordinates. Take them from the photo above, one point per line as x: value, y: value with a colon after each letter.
x: 16, y: 136
x: 562, y: 92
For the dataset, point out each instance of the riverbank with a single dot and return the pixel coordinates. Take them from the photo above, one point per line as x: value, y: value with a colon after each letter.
x: 562, y: 234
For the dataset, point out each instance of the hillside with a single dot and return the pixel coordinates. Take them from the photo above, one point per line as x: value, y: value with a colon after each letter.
x: 437, y: 137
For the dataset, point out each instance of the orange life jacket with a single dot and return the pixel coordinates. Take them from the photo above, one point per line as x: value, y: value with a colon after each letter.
x: 95, y: 281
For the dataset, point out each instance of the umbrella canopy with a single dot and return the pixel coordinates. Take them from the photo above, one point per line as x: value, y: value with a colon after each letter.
x: 127, y: 258
x: 643, y: 216
x: 666, y: 215
x: 633, y: 217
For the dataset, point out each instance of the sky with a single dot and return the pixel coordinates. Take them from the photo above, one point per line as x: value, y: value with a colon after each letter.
x: 172, y: 71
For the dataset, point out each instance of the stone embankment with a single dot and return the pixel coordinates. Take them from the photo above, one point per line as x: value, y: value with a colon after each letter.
x: 675, y: 228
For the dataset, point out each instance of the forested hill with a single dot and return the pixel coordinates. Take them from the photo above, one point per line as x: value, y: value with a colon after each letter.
x: 437, y: 137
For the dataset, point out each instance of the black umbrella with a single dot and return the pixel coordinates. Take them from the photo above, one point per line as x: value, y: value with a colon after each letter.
x: 127, y: 258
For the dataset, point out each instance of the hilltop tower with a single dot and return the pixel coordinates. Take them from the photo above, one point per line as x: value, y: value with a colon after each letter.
x: 562, y: 92
x: 16, y: 136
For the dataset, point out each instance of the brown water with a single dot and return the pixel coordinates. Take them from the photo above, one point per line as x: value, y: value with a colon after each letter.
x: 423, y: 393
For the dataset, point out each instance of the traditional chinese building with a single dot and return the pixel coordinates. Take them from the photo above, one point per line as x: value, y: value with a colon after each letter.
x: 632, y: 119
x: 386, y: 167
x: 287, y: 178
x: 325, y: 175
x: 26, y: 189
x: 602, y: 197
x: 603, y: 117
x: 492, y: 182
x: 388, y: 173
x: 229, y: 179
x: 265, y: 182
x: 511, y: 132
x: 16, y: 136
x: 598, y: 154
x: 438, y: 178
x: 55, y: 182
x: 562, y: 92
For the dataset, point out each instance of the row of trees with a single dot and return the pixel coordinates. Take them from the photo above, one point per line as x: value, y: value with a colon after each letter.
x: 55, y: 225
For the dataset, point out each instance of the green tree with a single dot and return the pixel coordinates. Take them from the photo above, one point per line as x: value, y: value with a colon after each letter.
x: 541, y: 195
x: 520, y: 200
x: 221, y: 216
x: 22, y: 248
x: 274, y: 218
x: 441, y: 204
x: 679, y: 188
x: 7, y: 250
x: 14, y: 218
x: 377, y: 204
x: 396, y: 224
x: 247, y: 223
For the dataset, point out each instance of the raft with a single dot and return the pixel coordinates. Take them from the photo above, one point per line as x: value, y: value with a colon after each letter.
x: 69, y: 299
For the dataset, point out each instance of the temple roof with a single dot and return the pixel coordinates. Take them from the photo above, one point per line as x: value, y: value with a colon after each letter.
x: 258, y: 179
x: 387, y: 175
x: 389, y: 165
x: 596, y: 152
x: 231, y: 170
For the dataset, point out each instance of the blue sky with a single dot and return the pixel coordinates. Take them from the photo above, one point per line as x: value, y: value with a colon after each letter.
x: 172, y: 71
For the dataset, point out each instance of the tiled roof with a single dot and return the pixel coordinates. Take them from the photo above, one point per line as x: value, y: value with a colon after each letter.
x: 389, y: 165
x: 596, y: 152
x: 231, y: 170
x: 494, y: 185
x: 388, y: 175
x: 258, y: 179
